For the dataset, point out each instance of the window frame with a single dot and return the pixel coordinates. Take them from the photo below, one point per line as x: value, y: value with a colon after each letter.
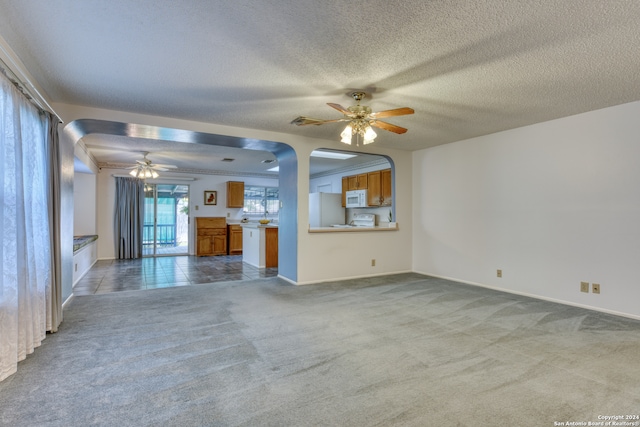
x: 266, y: 204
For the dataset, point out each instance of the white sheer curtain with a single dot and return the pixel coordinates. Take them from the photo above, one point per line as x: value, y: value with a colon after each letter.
x: 25, y: 257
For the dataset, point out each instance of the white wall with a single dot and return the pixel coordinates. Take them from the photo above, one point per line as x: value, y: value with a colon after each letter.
x: 84, y: 204
x: 331, y: 256
x: 551, y: 204
x: 197, y: 187
x: 84, y: 222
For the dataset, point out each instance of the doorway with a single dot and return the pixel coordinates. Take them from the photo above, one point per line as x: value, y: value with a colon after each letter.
x: 166, y: 220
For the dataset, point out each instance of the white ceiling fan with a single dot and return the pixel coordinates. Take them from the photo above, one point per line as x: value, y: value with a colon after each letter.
x: 146, y: 169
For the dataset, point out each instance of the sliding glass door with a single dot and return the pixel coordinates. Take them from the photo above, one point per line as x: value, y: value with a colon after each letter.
x: 166, y: 220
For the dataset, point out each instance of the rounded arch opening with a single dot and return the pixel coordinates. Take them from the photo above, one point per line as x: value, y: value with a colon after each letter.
x: 285, y: 154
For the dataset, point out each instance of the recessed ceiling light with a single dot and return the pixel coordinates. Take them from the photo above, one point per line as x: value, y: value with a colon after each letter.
x: 332, y: 154
x: 227, y: 159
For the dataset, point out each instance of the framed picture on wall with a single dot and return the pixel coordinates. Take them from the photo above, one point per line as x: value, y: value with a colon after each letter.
x: 210, y: 197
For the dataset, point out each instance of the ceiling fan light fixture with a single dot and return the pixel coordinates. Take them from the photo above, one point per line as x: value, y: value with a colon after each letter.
x: 346, y: 134
x: 143, y: 172
x: 369, y: 135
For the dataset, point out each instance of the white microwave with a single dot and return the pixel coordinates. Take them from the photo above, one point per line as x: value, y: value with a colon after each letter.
x: 356, y: 199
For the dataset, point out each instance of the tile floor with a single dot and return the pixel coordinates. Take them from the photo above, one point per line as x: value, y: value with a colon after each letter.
x: 162, y: 272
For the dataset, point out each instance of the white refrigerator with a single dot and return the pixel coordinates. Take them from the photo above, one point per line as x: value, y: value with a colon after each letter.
x: 325, y: 209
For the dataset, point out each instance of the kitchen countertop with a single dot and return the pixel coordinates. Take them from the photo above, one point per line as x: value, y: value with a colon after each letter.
x: 350, y: 229
x: 258, y: 225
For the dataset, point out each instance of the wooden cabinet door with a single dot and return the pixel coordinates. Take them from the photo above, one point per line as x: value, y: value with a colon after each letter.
x: 234, y: 235
x: 385, y: 187
x: 345, y: 187
x: 374, y: 192
x: 219, y: 246
x: 357, y: 182
x: 271, y: 247
x: 353, y: 182
x: 204, y: 246
x: 363, y: 181
x: 235, y: 194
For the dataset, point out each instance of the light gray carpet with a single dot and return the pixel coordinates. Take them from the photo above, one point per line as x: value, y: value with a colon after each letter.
x: 405, y: 350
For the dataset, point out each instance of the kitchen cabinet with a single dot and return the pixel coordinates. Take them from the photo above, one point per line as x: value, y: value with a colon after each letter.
x: 211, y: 236
x: 234, y: 236
x: 235, y: 194
x: 358, y: 182
x: 377, y: 184
x: 345, y: 186
x: 385, y: 183
x: 379, y: 188
x: 271, y: 247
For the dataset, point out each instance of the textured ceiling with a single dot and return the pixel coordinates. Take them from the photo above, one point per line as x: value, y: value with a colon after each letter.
x: 467, y: 68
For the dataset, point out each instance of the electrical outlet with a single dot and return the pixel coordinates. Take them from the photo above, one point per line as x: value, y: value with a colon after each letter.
x: 373, y: 263
x: 584, y: 287
x: 499, y: 273
x: 595, y: 288
x: 76, y: 267
x: 228, y: 214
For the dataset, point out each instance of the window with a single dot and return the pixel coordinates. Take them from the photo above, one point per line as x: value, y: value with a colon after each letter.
x: 261, y: 200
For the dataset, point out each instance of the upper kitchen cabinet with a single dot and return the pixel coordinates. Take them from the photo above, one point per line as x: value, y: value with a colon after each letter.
x: 345, y: 187
x: 379, y: 188
x: 377, y: 184
x: 335, y: 170
x: 354, y: 182
x: 235, y: 194
x: 358, y: 182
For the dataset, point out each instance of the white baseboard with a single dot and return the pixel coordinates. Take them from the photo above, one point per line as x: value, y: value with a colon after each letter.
x: 540, y: 297
x: 364, y: 276
x: 84, y: 273
x: 67, y: 301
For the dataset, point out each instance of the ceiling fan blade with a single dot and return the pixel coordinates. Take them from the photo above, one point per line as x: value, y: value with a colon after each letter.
x: 156, y: 168
x: 302, y: 121
x: 164, y: 166
x: 387, y: 126
x: 142, y: 162
x: 390, y: 113
x: 340, y: 108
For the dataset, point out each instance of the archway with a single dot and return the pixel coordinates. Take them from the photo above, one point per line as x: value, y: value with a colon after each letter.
x: 285, y: 154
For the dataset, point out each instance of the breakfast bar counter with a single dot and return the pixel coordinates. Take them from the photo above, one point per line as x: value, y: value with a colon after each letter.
x: 260, y: 244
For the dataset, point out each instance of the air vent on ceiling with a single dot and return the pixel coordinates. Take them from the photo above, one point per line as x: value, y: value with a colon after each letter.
x: 268, y: 161
x: 227, y: 159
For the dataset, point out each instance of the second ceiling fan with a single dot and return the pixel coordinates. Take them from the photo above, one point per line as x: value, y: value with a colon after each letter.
x: 146, y: 169
x: 361, y: 119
